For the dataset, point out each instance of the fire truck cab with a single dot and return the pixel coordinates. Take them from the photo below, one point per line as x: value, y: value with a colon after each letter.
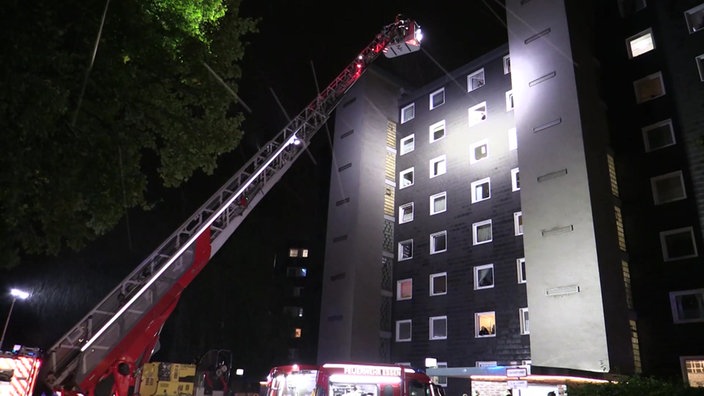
x: 350, y: 379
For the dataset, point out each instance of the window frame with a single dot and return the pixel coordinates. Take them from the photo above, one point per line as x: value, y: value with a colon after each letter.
x: 432, y: 95
x: 441, y: 161
x: 676, y: 308
x: 431, y: 327
x: 399, y: 289
x: 400, y: 323
x: 476, y: 272
x: 518, y: 223
x: 401, y: 175
x: 400, y: 213
x: 521, y: 270
x: 401, y: 244
x: 473, y: 74
x: 509, y: 100
x: 433, y: 242
x: 507, y: 64
x: 475, y: 227
x: 472, y: 150
x: 431, y: 286
x: 432, y: 203
x: 657, y: 126
x: 478, y: 321
x: 434, y: 128
x: 515, y: 179
x: 637, y: 36
x: 694, y: 10
x: 653, y: 76
x: 663, y: 243
x: 470, y: 111
x: 654, y: 189
x: 403, y: 143
x: 699, y: 60
x: 473, y: 193
x: 524, y: 319
x: 404, y: 109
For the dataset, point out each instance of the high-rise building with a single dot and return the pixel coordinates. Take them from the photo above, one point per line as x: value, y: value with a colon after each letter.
x: 540, y: 206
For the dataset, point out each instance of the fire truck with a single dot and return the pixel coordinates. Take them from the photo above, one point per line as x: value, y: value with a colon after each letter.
x: 104, y: 353
x: 350, y: 379
x: 19, y: 371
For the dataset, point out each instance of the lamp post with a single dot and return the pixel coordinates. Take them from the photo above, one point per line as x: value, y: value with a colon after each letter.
x: 15, y: 293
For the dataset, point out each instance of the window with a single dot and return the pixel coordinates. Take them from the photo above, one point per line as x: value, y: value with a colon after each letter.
x: 640, y: 43
x: 518, y: 223
x: 403, y: 330
x: 438, y: 242
x: 293, y: 252
x: 296, y: 272
x: 477, y: 114
x: 678, y: 244
x: 405, y: 213
x: 658, y: 135
x: 482, y: 232
x: 296, y: 312
x: 441, y: 380
x: 437, y: 166
x: 475, y: 80
x: 405, y: 250
x: 699, y: 60
x: 484, y: 276
x: 438, y: 203
x: 484, y: 324
x: 515, y: 180
x: 406, y: 178
x: 687, y: 306
x: 668, y: 188
x: 436, y: 131
x: 297, y: 291
x: 408, y: 113
x: 408, y: 144
x: 297, y: 332
x: 649, y: 87
x: 304, y: 253
x: 509, y: 100
x: 523, y: 317
x: 512, y: 139
x: 507, y: 64
x: 481, y: 190
x: 629, y: 7
x: 486, y: 363
x: 437, y: 98
x: 695, y: 18
x: 620, y: 233
x: 438, y: 284
x: 521, y: 269
x: 478, y: 151
x: 438, y: 327
x: 693, y: 368
x: 404, y: 289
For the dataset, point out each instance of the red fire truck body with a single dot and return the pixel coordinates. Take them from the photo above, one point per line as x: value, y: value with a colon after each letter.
x: 350, y: 379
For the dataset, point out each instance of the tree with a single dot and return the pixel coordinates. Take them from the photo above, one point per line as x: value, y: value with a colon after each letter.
x: 84, y: 140
x: 634, y: 386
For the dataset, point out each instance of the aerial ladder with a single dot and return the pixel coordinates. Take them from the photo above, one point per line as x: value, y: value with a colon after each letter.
x: 103, y: 353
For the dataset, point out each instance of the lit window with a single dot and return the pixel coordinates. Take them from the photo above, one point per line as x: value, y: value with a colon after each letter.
x: 475, y: 80
x: 521, y: 269
x: 658, y: 135
x: 484, y: 277
x: 304, y: 253
x: 405, y: 213
x: 404, y: 289
x: 649, y: 87
x: 678, y: 244
x: 640, y: 43
x: 297, y: 332
x: 481, y: 190
x: 405, y: 250
x: 687, y: 306
x: 693, y: 367
x: 438, y: 203
x: 509, y: 100
x: 437, y: 98
x: 699, y: 60
x: 437, y: 166
x: 507, y: 64
x: 293, y: 252
x: 438, y: 284
x: 482, y: 232
x: 408, y: 144
x: 478, y: 151
x: 612, y: 174
x: 436, y: 131
x: 695, y: 18
x: 438, y: 327
x: 408, y: 113
x: 518, y: 223
x: 477, y: 114
x: 438, y: 242
x: 296, y: 272
x: 523, y: 317
x: 485, y: 324
x: 406, y: 178
x: 512, y: 139
x: 515, y: 180
x: 629, y: 7
x: 486, y: 363
x: 620, y: 233
x: 668, y: 188
x: 403, y: 330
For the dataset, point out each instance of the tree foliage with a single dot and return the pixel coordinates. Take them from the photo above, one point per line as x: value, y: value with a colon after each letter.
x: 635, y: 386
x: 83, y: 141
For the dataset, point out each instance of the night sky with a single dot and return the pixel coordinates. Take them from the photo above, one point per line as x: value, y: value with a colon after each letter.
x: 221, y: 309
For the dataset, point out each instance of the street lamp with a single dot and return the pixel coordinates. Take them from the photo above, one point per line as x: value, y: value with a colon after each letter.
x: 15, y: 293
